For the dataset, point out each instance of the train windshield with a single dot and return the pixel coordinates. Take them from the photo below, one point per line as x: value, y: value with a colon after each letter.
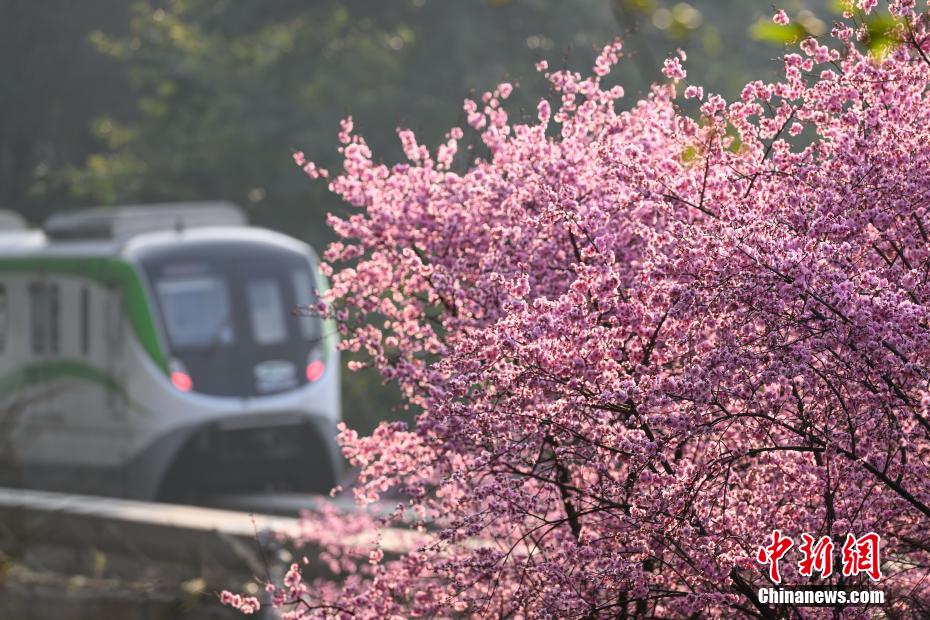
x: 196, y: 310
x: 236, y: 317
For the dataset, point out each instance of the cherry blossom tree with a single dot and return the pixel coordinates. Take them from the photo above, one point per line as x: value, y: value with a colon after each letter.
x: 640, y: 341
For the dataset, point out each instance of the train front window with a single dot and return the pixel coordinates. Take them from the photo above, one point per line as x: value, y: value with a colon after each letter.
x: 196, y: 311
x: 234, y: 315
x: 266, y: 311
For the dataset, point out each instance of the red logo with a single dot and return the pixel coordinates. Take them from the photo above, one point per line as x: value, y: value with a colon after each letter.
x: 859, y: 555
x: 773, y: 553
x: 817, y: 556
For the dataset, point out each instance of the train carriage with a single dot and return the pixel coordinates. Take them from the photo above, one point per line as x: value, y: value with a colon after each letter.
x: 160, y: 352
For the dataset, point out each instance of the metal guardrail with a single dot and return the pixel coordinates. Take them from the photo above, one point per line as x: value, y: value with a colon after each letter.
x: 76, y: 557
x: 160, y: 532
x: 72, y: 556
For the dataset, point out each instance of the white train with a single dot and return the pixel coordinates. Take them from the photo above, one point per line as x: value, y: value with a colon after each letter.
x: 156, y: 352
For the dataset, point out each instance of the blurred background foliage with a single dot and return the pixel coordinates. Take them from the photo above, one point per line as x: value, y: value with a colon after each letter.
x: 115, y: 102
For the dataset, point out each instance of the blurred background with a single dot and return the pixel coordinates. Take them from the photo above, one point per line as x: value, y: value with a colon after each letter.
x: 106, y: 102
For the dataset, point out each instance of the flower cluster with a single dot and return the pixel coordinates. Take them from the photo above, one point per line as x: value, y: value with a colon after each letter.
x: 641, y: 340
x: 248, y: 605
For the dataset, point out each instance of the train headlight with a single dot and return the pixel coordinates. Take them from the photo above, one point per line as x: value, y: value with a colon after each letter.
x: 315, y: 368
x: 180, y: 378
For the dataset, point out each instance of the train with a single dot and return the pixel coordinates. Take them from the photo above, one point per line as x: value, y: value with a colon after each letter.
x: 164, y: 352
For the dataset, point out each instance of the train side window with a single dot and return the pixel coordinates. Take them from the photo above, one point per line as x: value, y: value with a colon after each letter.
x: 45, y: 312
x: 4, y: 317
x: 38, y: 313
x: 54, y: 318
x: 85, y: 321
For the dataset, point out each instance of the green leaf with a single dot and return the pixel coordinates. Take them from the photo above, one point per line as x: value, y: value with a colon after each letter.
x: 770, y: 32
x: 882, y: 38
x: 689, y: 154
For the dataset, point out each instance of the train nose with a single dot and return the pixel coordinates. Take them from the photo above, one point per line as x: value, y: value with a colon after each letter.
x: 279, y: 453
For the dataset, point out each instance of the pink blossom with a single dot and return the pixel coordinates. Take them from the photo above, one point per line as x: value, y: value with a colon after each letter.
x: 781, y: 18
x: 638, y: 342
x: 543, y: 110
x: 608, y: 57
x: 672, y: 69
x: 694, y: 92
x: 248, y: 605
x: 346, y: 126
x: 312, y: 171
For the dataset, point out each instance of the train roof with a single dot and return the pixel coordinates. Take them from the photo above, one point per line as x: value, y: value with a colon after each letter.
x: 139, y: 245
x: 132, y: 230
x: 11, y: 221
x: 124, y: 222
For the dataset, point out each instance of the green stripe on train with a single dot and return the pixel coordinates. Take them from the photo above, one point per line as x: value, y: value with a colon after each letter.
x: 330, y: 329
x: 42, y: 372
x: 109, y: 272
x: 46, y: 372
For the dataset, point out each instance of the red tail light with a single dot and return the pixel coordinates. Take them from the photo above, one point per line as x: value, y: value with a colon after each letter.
x: 315, y: 370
